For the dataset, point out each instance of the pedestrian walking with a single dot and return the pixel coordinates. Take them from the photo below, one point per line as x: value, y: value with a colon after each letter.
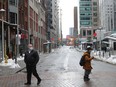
x: 31, y: 59
x: 87, y: 65
x: 105, y: 49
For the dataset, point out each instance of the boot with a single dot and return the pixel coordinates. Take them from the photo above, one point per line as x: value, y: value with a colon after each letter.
x: 39, y: 81
x: 86, y: 79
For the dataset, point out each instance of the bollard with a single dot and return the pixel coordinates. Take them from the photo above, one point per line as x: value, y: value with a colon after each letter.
x: 103, y: 53
x: 109, y: 54
x: 99, y: 54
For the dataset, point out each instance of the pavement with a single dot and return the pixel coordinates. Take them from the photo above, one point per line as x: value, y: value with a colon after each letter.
x: 9, y: 77
x: 6, y: 70
x: 16, y: 77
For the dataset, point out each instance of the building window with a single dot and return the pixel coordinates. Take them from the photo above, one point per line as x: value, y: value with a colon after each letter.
x: 95, y: 20
x: 89, y: 32
x: 84, y: 32
x: 85, y: 4
x: 31, y: 13
x: 85, y: 18
x: 13, y: 17
x: 86, y: 14
x: 94, y: 8
x: 85, y: 23
x: 13, y: 2
x: 94, y: 3
x: 94, y: 14
x: 95, y: 25
x: 82, y: 14
x: 87, y: 9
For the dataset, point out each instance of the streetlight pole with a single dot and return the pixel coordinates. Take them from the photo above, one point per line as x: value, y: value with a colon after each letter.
x: 2, y: 38
x: 100, y: 42
x: 100, y: 28
x: 17, y: 39
x: 17, y: 45
x: 2, y: 11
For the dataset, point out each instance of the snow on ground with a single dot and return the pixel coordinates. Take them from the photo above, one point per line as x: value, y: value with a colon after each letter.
x: 11, y: 63
x: 111, y: 59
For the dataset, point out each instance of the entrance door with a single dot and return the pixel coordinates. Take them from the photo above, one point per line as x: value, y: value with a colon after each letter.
x: 114, y: 45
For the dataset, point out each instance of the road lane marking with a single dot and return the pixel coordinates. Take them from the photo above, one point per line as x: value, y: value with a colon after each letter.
x: 66, y: 62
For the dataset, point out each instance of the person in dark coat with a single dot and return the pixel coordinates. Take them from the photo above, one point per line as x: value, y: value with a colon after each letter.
x: 31, y: 59
x: 87, y: 66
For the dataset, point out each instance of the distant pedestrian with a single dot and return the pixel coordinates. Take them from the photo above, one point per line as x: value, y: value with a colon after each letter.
x: 87, y: 66
x: 31, y: 59
x: 105, y: 49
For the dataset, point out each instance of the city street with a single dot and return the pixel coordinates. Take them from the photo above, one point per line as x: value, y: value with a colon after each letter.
x: 61, y: 69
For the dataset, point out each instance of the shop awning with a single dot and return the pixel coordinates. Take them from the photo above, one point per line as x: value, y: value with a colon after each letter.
x: 111, y: 38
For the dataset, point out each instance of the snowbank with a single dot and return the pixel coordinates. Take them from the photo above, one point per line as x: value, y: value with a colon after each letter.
x: 111, y: 59
x: 11, y: 63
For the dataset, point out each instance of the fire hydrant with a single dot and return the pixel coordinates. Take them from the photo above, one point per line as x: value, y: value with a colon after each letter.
x: 6, y: 58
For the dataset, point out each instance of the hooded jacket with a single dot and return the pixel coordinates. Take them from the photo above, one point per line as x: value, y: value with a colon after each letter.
x: 88, y: 59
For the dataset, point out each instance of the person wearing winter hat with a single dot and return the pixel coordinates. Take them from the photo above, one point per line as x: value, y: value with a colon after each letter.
x: 87, y: 66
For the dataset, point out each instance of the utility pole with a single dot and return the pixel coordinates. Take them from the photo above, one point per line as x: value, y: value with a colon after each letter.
x: 100, y: 28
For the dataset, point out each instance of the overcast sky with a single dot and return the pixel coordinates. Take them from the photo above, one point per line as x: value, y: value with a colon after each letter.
x: 67, y: 7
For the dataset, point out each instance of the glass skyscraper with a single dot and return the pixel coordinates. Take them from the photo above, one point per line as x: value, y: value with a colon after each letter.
x: 85, y: 13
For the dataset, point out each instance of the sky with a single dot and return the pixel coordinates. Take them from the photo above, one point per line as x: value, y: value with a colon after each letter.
x: 67, y: 7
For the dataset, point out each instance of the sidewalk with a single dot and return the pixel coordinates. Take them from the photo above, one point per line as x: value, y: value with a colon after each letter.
x: 11, y: 68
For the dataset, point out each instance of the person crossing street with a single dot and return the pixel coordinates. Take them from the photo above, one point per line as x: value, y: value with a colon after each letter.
x: 31, y: 59
x: 87, y: 66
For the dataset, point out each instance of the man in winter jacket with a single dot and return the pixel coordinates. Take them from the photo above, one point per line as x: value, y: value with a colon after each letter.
x: 31, y: 59
x: 87, y: 66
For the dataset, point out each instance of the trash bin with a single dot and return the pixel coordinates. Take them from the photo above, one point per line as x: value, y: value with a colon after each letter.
x: 45, y: 47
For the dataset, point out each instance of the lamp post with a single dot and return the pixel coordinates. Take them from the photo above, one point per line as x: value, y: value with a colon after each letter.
x: 100, y: 28
x: 100, y: 39
x: 2, y: 11
x: 17, y: 40
x: 17, y: 46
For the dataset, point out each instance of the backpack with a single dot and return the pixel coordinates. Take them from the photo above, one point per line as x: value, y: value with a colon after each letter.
x: 82, y: 61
